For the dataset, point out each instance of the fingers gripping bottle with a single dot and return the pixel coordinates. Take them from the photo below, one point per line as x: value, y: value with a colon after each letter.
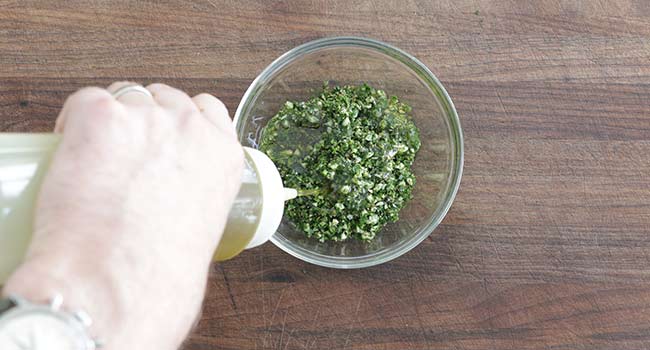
x: 24, y: 158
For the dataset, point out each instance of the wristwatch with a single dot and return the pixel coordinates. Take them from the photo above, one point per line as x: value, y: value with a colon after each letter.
x: 30, y: 326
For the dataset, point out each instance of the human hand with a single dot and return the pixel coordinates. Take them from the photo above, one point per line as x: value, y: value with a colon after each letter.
x: 131, y: 211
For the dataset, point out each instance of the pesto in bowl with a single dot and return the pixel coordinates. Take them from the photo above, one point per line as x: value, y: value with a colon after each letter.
x: 349, y: 151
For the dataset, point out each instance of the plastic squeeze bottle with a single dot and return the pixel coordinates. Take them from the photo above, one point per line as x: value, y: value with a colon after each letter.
x: 24, y: 159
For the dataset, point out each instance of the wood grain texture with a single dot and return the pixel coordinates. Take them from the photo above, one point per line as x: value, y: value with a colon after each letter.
x: 548, y: 243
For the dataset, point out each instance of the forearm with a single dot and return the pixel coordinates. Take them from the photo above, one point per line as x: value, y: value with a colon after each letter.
x: 38, y: 279
x: 120, y: 319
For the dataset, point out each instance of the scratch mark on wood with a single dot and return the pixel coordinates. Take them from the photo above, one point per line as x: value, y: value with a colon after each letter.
x: 277, y: 305
x: 414, y: 302
x: 227, y: 282
x: 284, y: 323
x: 503, y: 108
x: 354, y: 322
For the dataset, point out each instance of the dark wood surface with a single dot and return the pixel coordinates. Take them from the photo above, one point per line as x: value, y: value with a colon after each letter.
x: 547, y: 245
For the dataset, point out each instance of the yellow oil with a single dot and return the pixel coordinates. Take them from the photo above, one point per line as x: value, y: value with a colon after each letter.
x: 244, y: 216
x: 24, y: 159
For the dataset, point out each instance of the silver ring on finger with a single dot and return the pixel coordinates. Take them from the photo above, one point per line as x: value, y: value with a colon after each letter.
x: 129, y: 89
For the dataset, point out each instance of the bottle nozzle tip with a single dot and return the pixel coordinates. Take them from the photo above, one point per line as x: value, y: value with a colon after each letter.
x: 290, y: 193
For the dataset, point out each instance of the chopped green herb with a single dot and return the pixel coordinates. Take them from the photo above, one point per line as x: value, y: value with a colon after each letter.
x: 349, y: 151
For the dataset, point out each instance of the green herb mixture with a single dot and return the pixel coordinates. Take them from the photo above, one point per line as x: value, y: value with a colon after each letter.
x: 349, y: 151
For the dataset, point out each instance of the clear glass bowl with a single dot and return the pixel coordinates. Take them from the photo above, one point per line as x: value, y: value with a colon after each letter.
x: 299, y: 73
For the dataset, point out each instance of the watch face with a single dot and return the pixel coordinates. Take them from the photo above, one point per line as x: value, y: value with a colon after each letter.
x: 37, y: 331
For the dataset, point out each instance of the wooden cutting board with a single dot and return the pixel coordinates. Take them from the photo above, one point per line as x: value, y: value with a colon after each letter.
x: 547, y: 245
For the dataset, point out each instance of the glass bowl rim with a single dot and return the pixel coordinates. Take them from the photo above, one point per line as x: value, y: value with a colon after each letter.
x: 436, y: 88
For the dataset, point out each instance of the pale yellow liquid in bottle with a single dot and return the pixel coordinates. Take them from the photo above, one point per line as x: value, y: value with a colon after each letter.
x: 244, y: 216
x: 24, y: 159
x: 23, y: 162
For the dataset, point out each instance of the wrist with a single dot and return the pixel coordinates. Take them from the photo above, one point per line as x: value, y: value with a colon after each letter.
x: 120, y: 318
x: 40, y: 279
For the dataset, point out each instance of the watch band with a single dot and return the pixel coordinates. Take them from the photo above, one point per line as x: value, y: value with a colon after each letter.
x: 6, y: 304
x: 78, y: 321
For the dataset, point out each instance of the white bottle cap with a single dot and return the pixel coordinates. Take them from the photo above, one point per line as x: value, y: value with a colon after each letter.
x: 273, y: 196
